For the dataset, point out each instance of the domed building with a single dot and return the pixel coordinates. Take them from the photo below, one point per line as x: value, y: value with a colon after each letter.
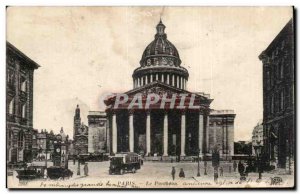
x: 160, y: 62
x: 156, y: 129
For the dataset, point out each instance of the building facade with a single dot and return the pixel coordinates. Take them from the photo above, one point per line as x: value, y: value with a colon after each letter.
x: 221, y: 132
x: 160, y: 130
x: 80, y: 134
x: 19, y: 104
x: 278, y: 98
x: 97, y: 137
x: 257, y: 137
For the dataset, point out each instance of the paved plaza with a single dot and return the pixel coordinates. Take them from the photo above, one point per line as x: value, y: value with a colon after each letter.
x: 158, y: 174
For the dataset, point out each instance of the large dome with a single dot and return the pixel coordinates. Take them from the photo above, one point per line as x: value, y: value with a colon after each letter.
x: 160, y: 61
x: 160, y: 51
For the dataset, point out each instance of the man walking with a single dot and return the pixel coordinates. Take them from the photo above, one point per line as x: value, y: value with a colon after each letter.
x: 173, y: 172
x: 234, y: 166
x: 86, y: 169
x: 216, y: 174
x: 221, y: 171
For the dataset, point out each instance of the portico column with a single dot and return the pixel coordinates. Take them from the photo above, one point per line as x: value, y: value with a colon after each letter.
x: 215, y: 133
x: 114, y: 133
x: 151, y: 78
x: 142, y: 81
x: 207, y: 132
x: 139, y: 83
x: 200, y: 135
x: 156, y: 77
x: 162, y: 78
x: 131, y: 132
x: 182, y: 153
x: 148, y: 133
x: 165, y: 128
x: 177, y: 81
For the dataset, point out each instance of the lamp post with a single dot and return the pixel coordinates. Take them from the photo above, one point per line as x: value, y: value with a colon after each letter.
x: 198, y: 172
x: 205, y: 167
x: 78, y: 168
x: 258, y: 155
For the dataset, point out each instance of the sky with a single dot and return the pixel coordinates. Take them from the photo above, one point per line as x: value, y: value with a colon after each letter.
x: 87, y: 52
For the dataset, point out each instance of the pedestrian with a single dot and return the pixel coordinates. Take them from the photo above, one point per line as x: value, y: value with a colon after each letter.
x: 173, y: 172
x: 181, y: 173
x: 234, y: 166
x: 45, y: 174
x: 241, y: 168
x: 86, y: 169
x: 216, y: 174
x: 221, y: 171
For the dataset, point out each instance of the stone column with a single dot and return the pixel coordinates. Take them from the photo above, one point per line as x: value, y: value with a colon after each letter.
x: 214, y: 135
x: 146, y: 79
x: 200, y: 140
x: 142, y: 81
x: 177, y: 81
x: 139, y: 83
x: 157, y: 77
x: 168, y: 79
x: 131, y: 132
x: 182, y: 153
x: 181, y: 82
x: 148, y: 133
x: 151, y: 78
x: 207, y: 134
x: 165, y: 128
x: 173, y: 80
x: 114, y: 134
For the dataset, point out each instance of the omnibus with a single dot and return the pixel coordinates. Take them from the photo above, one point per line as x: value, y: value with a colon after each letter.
x: 124, y: 162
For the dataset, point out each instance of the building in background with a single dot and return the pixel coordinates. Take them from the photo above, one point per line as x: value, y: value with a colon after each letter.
x: 19, y: 105
x: 80, y: 134
x: 278, y: 98
x: 243, y: 148
x: 257, y: 137
x: 97, y: 136
x: 221, y: 132
x: 45, y: 143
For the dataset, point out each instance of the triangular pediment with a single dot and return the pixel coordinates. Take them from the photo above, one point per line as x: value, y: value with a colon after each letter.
x: 161, y: 89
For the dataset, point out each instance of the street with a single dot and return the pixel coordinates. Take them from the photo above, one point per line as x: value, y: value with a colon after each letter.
x: 158, y: 174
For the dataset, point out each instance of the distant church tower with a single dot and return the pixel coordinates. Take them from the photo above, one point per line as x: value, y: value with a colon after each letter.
x: 80, y: 134
x: 77, y: 121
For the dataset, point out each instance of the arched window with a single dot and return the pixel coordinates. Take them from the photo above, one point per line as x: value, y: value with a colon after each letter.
x: 149, y: 62
x: 21, y: 140
x: 11, y: 106
x: 23, y: 86
x: 24, y: 111
x: 10, y: 138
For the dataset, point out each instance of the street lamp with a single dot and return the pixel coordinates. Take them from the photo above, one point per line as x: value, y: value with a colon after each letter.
x: 78, y: 169
x: 258, y: 156
x: 198, y: 172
